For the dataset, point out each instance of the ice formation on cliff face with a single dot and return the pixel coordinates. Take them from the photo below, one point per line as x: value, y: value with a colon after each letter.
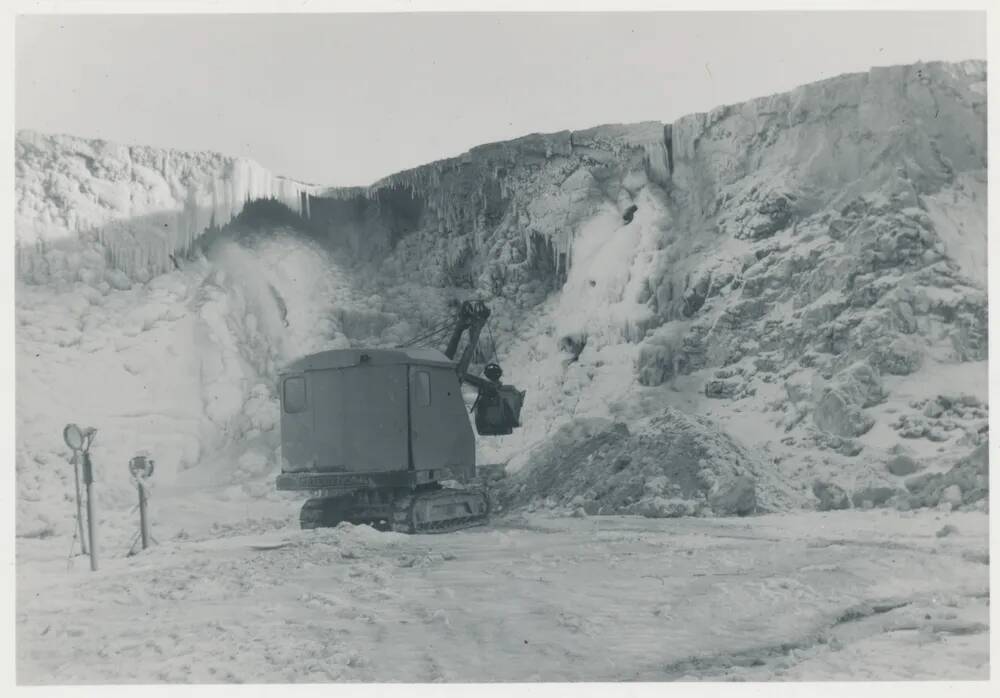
x: 805, y: 270
x: 141, y: 204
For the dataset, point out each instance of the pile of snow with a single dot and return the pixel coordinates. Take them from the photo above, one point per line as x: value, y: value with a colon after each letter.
x: 667, y: 465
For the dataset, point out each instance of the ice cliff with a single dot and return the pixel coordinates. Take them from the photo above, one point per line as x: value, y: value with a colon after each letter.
x: 746, y: 172
x: 141, y: 204
x: 805, y: 271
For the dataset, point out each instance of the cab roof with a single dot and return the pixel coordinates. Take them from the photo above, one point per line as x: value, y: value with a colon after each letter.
x: 346, y: 358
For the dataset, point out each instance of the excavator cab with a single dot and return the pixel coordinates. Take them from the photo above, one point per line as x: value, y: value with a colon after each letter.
x: 372, y: 433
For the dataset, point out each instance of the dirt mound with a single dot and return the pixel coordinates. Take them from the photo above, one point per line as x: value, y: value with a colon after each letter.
x: 671, y: 464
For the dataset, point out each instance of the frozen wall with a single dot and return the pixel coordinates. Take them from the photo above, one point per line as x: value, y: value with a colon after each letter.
x: 749, y: 258
x: 498, y: 195
x: 139, y: 204
x: 806, y: 269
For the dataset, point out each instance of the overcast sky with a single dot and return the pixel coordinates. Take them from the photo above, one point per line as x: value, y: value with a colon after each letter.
x: 346, y: 99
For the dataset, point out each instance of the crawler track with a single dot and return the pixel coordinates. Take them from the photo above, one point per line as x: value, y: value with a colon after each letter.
x: 427, y: 511
x: 441, y: 511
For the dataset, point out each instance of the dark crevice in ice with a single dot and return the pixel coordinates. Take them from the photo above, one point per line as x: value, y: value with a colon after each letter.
x: 668, y: 140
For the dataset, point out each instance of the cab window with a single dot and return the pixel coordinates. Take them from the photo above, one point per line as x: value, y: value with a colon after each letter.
x: 294, y: 395
x: 422, y: 388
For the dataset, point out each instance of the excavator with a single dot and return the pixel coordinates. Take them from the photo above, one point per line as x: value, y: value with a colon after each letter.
x: 373, y: 434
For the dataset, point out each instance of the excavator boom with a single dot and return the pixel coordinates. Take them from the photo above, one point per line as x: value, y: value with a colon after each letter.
x: 472, y: 317
x: 497, y: 407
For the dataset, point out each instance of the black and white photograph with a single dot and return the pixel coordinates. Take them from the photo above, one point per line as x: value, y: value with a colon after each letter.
x: 402, y: 346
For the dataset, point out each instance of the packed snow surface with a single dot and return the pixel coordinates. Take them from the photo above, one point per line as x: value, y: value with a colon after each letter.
x: 244, y: 597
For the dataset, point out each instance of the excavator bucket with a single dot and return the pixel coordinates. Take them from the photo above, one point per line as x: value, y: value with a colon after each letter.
x: 498, y: 410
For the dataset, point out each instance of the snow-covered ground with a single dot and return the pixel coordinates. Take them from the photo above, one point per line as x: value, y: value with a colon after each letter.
x: 244, y: 596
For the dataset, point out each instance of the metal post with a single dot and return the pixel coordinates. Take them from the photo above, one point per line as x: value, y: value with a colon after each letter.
x: 79, y: 503
x: 88, y: 480
x: 143, y: 521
